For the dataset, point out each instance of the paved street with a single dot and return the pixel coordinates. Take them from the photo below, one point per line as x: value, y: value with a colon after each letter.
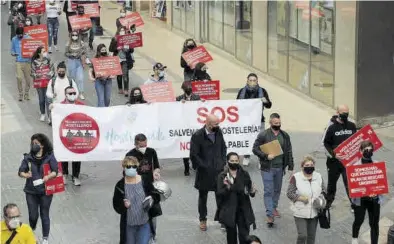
x: 84, y: 214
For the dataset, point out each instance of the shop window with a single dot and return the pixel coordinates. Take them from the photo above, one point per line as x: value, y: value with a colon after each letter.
x: 183, y: 16
x: 215, y: 24
x: 243, y: 30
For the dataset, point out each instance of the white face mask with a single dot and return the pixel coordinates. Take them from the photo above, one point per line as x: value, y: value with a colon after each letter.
x: 122, y: 14
x: 51, y: 1
x: 45, y: 54
x: 71, y: 98
x: 142, y: 149
x: 20, y: 5
x: 74, y: 38
x: 162, y: 74
x: 28, y: 23
x: 122, y: 33
x: 14, y: 223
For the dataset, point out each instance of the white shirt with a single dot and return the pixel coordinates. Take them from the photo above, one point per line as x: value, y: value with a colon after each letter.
x: 59, y: 89
x: 52, y: 10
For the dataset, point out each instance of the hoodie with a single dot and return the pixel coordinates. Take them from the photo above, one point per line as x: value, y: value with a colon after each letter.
x: 337, y: 133
x: 152, y: 79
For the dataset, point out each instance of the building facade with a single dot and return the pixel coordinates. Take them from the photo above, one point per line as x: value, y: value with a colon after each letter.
x: 336, y: 52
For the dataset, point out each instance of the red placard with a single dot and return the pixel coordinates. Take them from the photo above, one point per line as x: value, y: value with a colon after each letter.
x: 130, y: 19
x: 91, y: 9
x: 30, y: 45
x: 208, y: 90
x: 42, y: 76
x: 367, y: 179
x: 74, y: 5
x: 35, y: 7
x: 348, y: 152
x: 80, y: 22
x: 131, y: 40
x: 197, y: 55
x: 158, y: 92
x: 54, y: 185
x: 36, y: 31
x: 106, y: 66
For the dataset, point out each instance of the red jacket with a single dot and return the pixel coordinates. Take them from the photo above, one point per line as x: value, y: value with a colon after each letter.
x: 77, y: 102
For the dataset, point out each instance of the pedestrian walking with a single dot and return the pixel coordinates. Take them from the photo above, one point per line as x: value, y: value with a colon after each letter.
x: 53, y: 11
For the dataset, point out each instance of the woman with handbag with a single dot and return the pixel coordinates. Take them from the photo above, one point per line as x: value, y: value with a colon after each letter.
x: 306, y: 191
x: 136, y: 201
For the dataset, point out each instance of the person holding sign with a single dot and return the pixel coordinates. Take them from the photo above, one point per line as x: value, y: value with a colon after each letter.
x: 368, y: 203
x: 53, y: 11
x: 23, y: 67
x: 159, y: 74
x: 339, y: 130
x: 42, y: 72
x: 200, y: 73
x: 28, y: 21
x: 38, y: 203
x: 273, y: 163
x: 188, y: 72
x: 187, y: 95
x: 103, y: 85
x: 252, y: 90
x: 17, y: 17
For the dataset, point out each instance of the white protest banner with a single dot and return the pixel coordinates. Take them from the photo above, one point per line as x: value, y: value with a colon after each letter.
x: 82, y: 133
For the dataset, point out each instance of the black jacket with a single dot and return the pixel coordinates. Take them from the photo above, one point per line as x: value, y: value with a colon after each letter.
x: 268, y: 136
x: 185, y: 66
x: 118, y: 205
x: 235, y: 200
x: 193, y: 97
x: 209, y: 158
x: 148, y: 162
x: 200, y: 75
x: 244, y: 93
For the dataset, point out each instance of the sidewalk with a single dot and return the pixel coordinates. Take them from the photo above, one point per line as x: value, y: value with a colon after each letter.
x: 299, y: 113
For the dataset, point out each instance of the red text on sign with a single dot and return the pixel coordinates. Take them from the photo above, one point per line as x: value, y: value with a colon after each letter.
x: 230, y: 114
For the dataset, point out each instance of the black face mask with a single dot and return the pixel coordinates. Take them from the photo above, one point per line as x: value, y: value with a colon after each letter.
x: 20, y: 36
x: 81, y: 12
x: 251, y: 88
x: 275, y: 127
x: 233, y: 166
x: 215, y: 129
x: 103, y: 53
x: 367, y: 154
x: 138, y: 97
x: 188, y: 91
x: 309, y: 170
x: 61, y: 75
x: 34, y: 149
x: 191, y: 46
x: 344, y: 117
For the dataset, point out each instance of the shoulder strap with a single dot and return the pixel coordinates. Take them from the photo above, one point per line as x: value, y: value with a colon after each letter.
x: 11, y: 237
x: 53, y: 84
x: 70, y: 80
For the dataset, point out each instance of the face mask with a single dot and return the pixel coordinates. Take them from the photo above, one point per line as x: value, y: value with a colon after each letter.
x: 138, y: 97
x: 251, y: 88
x: 161, y: 74
x: 367, y: 154
x: 130, y: 172
x: 215, y: 129
x: 188, y: 91
x: 28, y: 23
x: 103, y: 53
x: 122, y: 33
x: 142, y: 150
x: 20, y: 5
x: 71, y: 98
x: 14, y: 223
x: 122, y: 15
x: 309, y: 170
x: 191, y: 46
x: 45, y: 55
x: 34, y: 149
x: 20, y: 36
x: 275, y: 127
x: 233, y: 166
x: 61, y: 75
x: 81, y: 12
x: 74, y: 38
x: 344, y: 117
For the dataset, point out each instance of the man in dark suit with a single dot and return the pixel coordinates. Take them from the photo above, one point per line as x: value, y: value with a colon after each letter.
x: 208, y: 152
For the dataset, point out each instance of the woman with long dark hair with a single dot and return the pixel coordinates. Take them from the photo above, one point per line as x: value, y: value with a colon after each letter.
x: 188, y: 72
x: 32, y: 169
x: 103, y: 85
x: 42, y: 72
x: 136, y: 96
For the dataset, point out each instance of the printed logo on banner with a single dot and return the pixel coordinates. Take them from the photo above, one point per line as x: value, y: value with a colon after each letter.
x: 79, y: 133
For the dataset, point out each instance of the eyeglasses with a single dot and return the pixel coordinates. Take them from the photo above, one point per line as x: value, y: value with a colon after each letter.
x: 72, y: 93
x: 131, y: 166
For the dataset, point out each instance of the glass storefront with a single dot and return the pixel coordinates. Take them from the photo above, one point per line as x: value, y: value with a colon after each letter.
x: 297, y: 47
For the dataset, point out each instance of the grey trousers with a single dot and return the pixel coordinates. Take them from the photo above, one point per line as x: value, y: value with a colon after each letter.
x: 306, y: 229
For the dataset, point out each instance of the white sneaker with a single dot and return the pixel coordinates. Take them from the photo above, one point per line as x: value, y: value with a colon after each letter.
x: 65, y: 179
x: 77, y: 181
x: 49, y: 120
x: 81, y: 96
x: 354, y: 241
x: 45, y: 241
x: 42, y: 117
x: 57, y: 49
x: 245, y: 161
x: 50, y: 49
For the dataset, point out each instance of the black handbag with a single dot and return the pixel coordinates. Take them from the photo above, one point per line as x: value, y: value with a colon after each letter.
x: 324, y: 218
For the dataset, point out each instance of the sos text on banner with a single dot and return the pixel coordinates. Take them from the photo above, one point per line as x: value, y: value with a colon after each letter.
x: 82, y: 133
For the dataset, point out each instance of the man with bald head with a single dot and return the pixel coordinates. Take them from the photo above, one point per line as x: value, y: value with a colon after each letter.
x: 337, y: 132
x: 208, y: 155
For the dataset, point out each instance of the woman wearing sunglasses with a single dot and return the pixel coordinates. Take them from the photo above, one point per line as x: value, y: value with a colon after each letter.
x: 136, y: 201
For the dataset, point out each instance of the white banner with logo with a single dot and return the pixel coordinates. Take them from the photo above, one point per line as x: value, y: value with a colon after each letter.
x: 82, y: 133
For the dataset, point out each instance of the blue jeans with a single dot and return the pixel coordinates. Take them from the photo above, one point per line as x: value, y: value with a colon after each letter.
x: 53, y: 27
x: 39, y: 205
x: 103, y: 91
x: 42, y: 99
x: 75, y: 71
x: 138, y: 234
x: 272, y: 181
